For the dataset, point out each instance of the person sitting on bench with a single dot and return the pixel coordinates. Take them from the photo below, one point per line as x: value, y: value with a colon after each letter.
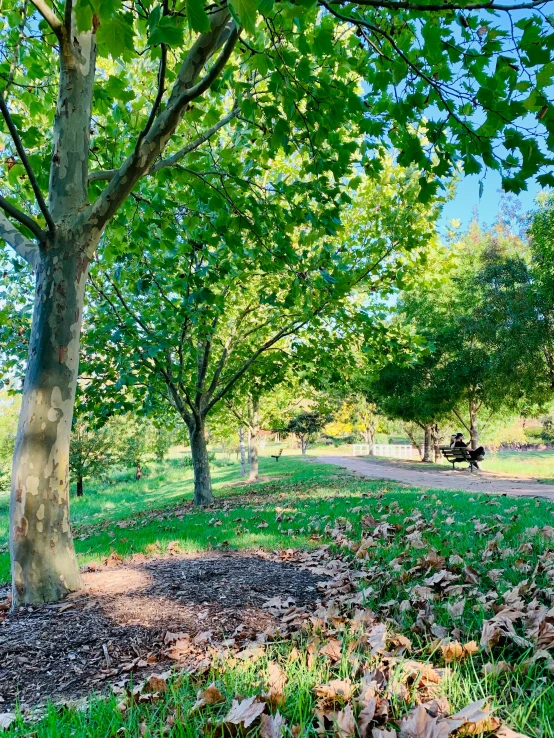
x: 478, y: 454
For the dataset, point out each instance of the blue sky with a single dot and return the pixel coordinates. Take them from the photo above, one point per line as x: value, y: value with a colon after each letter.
x: 467, y: 198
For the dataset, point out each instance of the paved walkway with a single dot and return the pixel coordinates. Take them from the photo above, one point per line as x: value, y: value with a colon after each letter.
x: 438, y: 479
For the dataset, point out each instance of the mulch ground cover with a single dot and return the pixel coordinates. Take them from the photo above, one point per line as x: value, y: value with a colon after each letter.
x: 145, y: 615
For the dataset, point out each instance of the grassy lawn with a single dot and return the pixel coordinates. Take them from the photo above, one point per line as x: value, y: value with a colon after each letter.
x: 490, y: 552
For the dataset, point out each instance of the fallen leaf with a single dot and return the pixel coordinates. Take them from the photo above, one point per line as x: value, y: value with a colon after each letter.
x: 346, y: 723
x: 246, y: 712
x: 6, y: 719
x: 277, y: 680
x: 419, y: 724
x: 365, y: 718
x: 377, y: 638
x: 156, y: 683
x: 333, y: 650
x: 473, y: 719
x: 209, y: 696
x: 505, y: 732
x: 455, y: 651
x: 272, y: 726
x: 338, y: 690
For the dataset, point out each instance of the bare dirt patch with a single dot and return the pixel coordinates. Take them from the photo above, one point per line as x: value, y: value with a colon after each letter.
x: 142, y: 617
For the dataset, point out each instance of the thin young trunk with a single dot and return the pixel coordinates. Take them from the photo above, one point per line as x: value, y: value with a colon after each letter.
x: 44, y: 565
x: 254, y: 438
x: 369, y: 434
x: 242, y: 451
x: 428, y: 444
x: 80, y: 487
x: 304, y: 444
x: 473, y: 428
x: 138, y: 471
x: 200, y: 462
x: 436, y: 443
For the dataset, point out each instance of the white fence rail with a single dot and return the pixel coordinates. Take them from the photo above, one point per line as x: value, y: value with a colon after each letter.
x: 396, y: 450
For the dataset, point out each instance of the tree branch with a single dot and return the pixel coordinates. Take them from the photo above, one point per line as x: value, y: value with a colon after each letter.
x: 457, y: 414
x: 238, y: 374
x: 445, y: 7
x: 24, y: 219
x: 23, y: 156
x: 159, y: 96
x: 49, y: 16
x: 223, y: 31
x: 170, y: 161
x: 174, y: 158
x: 19, y: 243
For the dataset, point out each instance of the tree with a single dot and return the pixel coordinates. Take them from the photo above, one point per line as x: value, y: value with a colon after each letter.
x: 306, y: 427
x: 406, y: 68
x: 188, y: 325
x: 132, y: 440
x: 9, y: 408
x: 90, y: 452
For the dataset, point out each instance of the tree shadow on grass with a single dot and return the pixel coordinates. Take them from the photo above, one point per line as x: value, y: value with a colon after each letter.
x: 120, y: 624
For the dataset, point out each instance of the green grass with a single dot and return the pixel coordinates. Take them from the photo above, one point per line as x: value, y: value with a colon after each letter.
x: 305, y: 500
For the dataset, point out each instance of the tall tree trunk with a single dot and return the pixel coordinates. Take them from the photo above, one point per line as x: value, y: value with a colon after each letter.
x: 138, y: 471
x: 473, y: 428
x: 200, y: 462
x: 80, y: 487
x: 304, y: 444
x: 242, y: 451
x: 254, y: 438
x: 44, y: 565
x: 428, y: 444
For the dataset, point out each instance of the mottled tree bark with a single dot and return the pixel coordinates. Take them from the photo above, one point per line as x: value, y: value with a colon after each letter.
x: 44, y: 566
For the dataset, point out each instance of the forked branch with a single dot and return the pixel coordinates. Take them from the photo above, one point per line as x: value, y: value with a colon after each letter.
x: 23, y: 156
x: 22, y: 218
x: 19, y: 243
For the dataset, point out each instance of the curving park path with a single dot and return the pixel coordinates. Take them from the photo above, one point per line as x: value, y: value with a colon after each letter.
x: 482, y: 481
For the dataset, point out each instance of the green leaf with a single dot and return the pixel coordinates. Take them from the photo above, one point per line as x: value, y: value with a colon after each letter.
x: 197, y: 16
x: 168, y: 31
x: 83, y: 15
x: 115, y: 36
x: 246, y: 11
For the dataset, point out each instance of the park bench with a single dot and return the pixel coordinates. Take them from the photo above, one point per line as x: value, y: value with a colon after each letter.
x: 457, y: 456
x: 277, y: 456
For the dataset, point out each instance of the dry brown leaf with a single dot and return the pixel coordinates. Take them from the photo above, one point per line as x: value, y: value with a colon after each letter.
x: 365, y: 718
x: 338, y: 690
x: 272, y: 726
x: 246, y: 712
x: 209, y: 696
x: 505, y: 732
x: 346, y: 723
x: 333, y: 650
x: 156, y: 683
x: 277, y: 680
x: 6, y: 719
x: 474, y: 719
x: 377, y: 638
x: 378, y: 733
x: 419, y: 724
x: 456, y: 609
x: 455, y: 651
x: 500, y: 667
